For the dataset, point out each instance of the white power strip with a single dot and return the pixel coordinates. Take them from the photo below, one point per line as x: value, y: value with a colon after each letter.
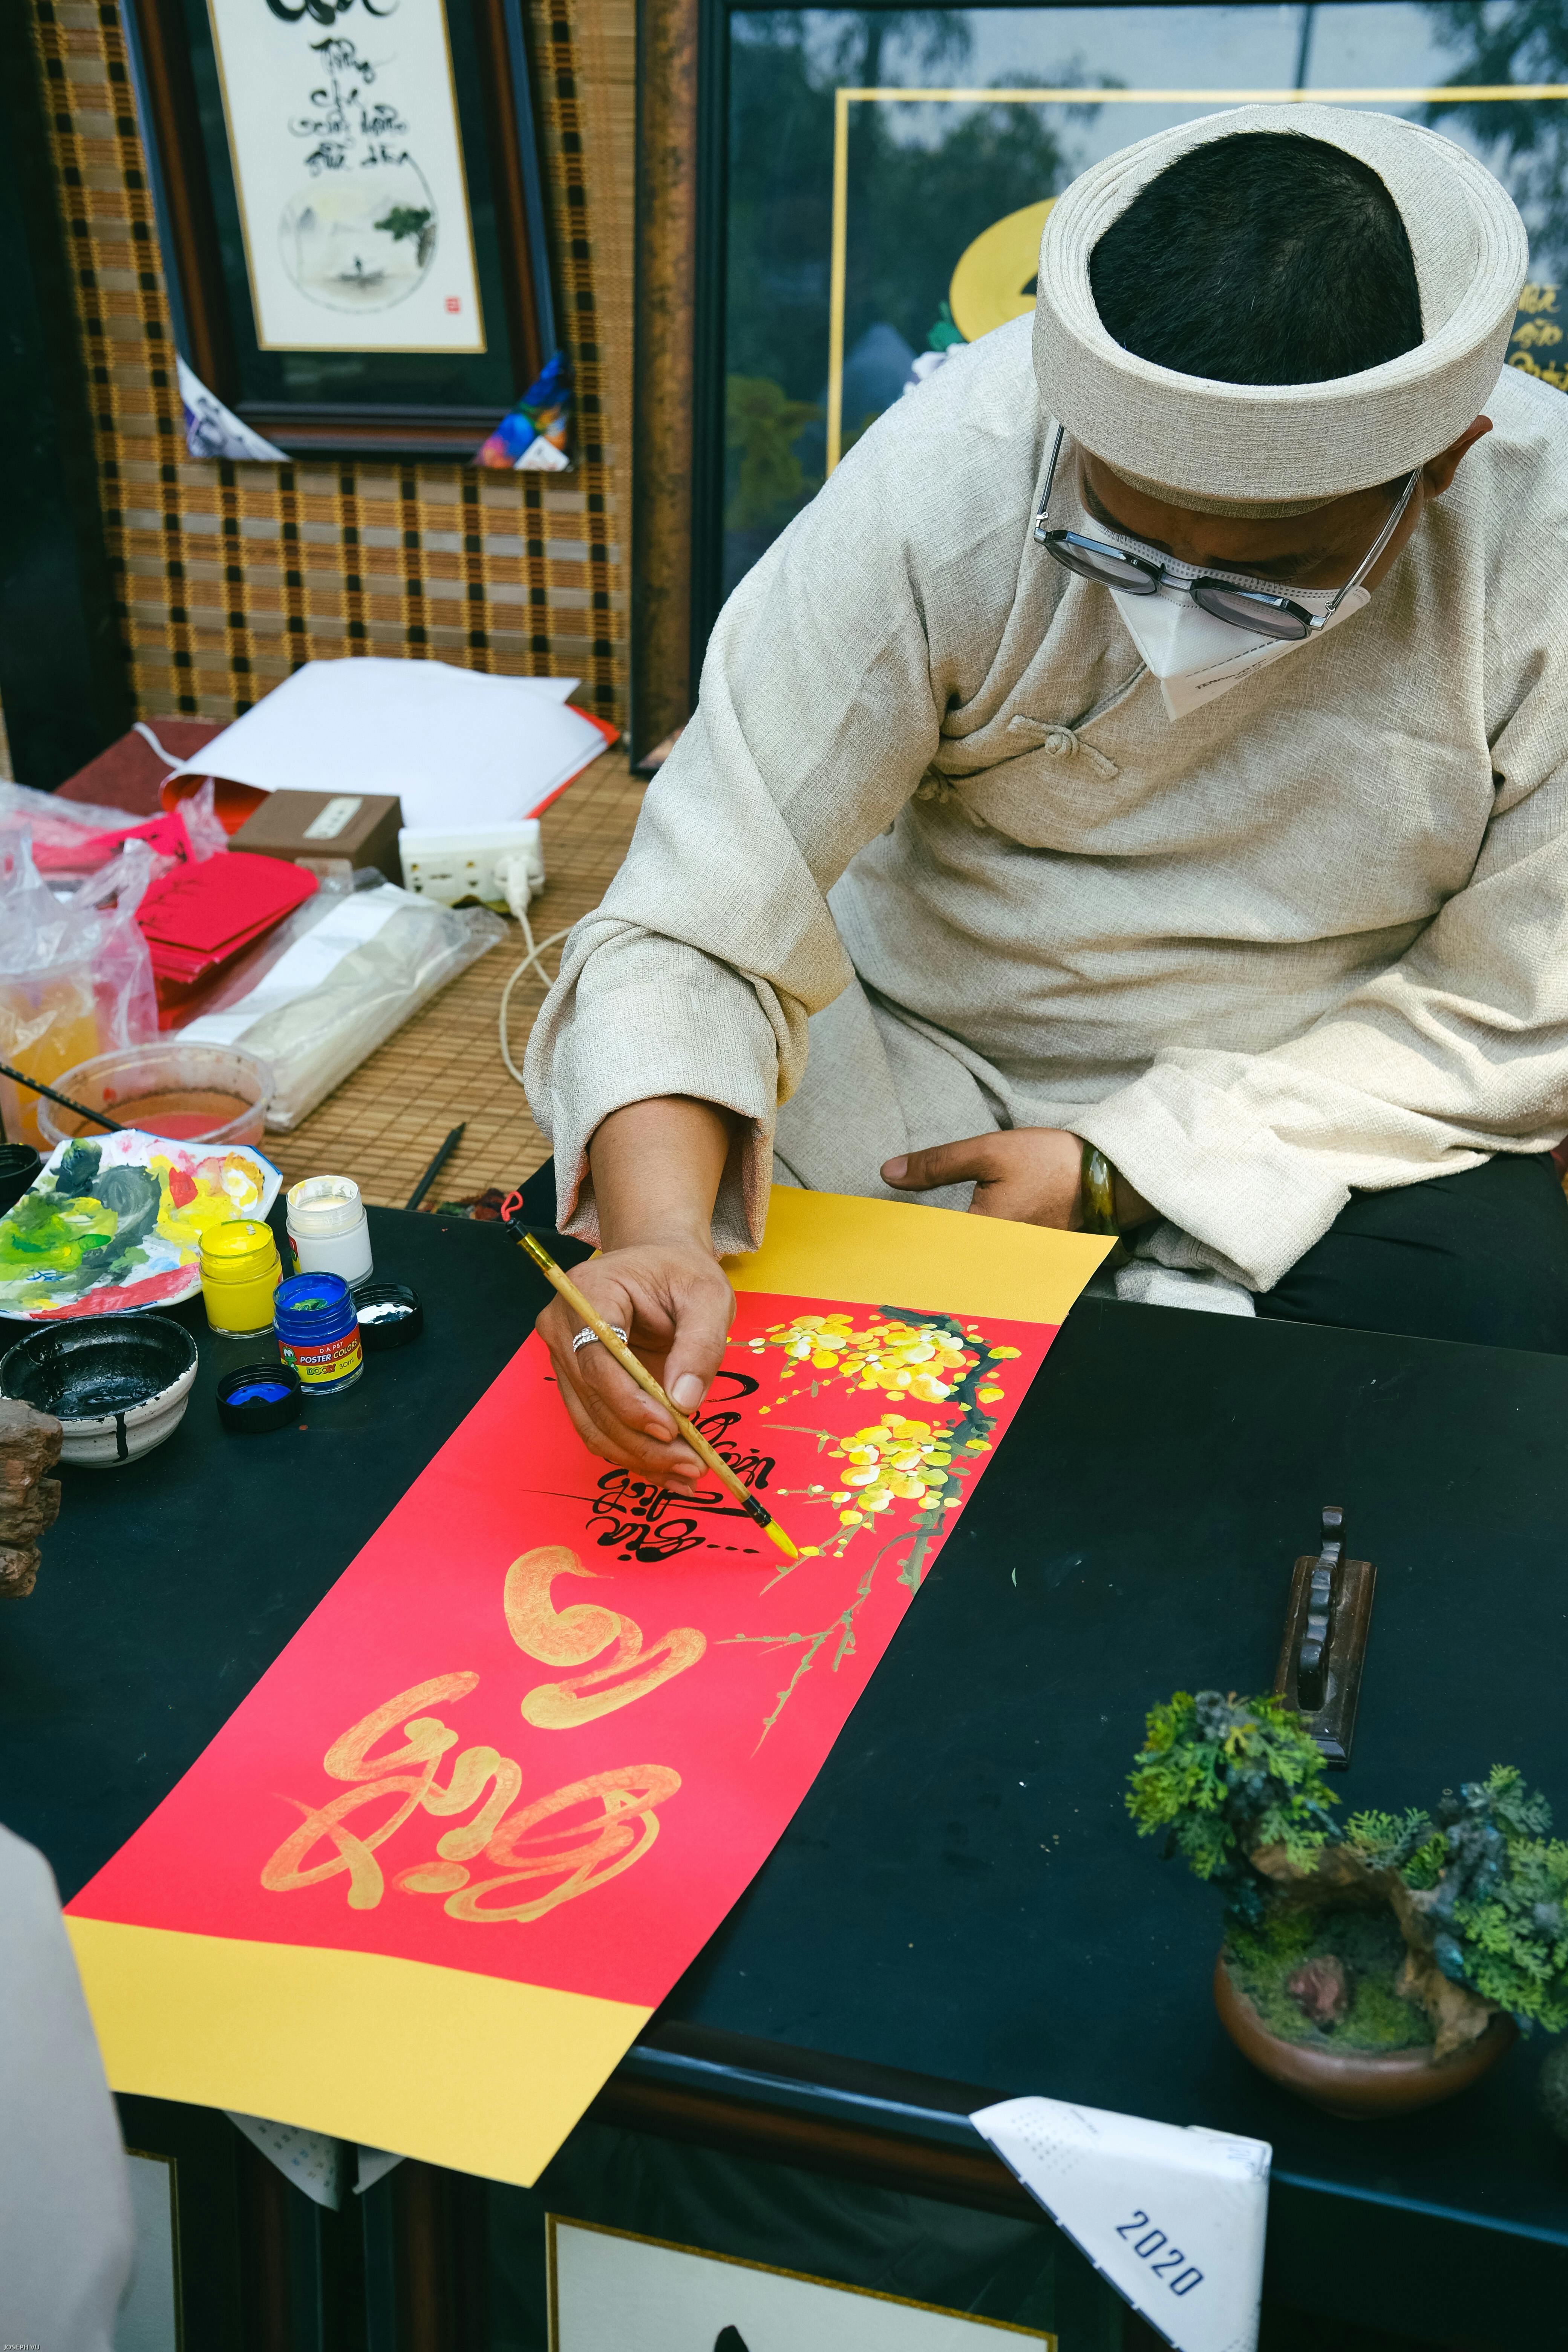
x: 503, y: 865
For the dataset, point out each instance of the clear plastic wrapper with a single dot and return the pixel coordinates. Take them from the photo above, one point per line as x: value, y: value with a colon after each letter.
x: 336, y: 981
x: 75, y: 978
x: 71, y: 839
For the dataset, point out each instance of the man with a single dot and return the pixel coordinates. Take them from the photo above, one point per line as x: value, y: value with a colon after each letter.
x: 1172, y: 697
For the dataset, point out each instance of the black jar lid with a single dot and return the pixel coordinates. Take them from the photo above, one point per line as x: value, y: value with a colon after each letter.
x: 389, y: 1313
x: 259, y: 1397
x: 19, y: 1169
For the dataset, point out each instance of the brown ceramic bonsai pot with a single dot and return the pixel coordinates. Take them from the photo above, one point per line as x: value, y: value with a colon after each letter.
x: 1357, y: 2084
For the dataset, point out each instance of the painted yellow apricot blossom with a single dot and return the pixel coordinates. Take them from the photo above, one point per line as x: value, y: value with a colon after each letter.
x: 898, y: 1459
x: 817, y: 1339
x: 902, y: 1359
x: 894, y: 1460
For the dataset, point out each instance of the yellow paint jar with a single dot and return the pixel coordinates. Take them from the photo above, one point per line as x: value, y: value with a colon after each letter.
x: 240, y: 1271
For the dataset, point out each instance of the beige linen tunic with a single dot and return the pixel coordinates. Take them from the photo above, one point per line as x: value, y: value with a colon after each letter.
x: 932, y: 858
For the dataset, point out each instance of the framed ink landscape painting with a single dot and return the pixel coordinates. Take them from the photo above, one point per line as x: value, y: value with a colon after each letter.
x: 348, y: 203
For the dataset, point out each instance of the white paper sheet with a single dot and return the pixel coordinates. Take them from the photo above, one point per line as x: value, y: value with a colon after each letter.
x: 457, y: 746
x: 310, y: 2160
x: 313, y: 2160
x: 1175, y: 2219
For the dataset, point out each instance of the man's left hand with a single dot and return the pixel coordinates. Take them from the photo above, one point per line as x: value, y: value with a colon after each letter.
x: 1029, y: 1174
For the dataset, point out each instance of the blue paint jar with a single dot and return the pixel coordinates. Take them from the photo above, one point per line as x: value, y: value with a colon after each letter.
x: 318, y: 1332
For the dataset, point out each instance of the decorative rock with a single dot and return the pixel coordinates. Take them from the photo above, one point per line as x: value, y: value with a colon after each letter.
x: 1320, y: 1991
x: 18, y: 1572
x: 29, y: 1502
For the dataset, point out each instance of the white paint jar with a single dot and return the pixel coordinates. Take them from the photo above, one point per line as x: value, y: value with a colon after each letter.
x: 328, y: 1230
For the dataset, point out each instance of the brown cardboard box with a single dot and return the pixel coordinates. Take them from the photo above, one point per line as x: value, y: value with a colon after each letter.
x: 323, y: 830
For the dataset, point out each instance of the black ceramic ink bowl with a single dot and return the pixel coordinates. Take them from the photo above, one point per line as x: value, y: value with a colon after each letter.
x: 389, y: 1315
x: 117, y: 1384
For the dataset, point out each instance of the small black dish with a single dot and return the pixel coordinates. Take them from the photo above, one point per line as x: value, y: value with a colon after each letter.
x: 19, y: 1169
x: 259, y: 1397
x: 390, y: 1315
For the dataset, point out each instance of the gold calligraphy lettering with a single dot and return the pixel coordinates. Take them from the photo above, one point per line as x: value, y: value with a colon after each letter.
x: 347, y: 1760
x: 569, y: 1637
x: 577, y: 1838
x: 538, y: 1842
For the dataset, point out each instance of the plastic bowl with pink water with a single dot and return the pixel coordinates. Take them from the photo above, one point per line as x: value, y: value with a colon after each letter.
x: 193, y: 1094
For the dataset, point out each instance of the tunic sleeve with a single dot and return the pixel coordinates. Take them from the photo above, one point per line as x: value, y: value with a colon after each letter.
x: 820, y: 714
x: 1457, y: 1051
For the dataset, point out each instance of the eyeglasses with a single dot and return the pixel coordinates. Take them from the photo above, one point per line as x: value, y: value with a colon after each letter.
x: 1262, y: 611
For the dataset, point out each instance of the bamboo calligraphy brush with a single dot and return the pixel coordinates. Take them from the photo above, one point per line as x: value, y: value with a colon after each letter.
x: 651, y: 1387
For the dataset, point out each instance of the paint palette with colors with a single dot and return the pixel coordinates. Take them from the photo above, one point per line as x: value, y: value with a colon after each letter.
x: 115, y: 1226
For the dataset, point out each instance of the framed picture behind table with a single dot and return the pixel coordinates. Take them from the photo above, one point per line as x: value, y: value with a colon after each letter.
x: 871, y: 185
x: 348, y: 203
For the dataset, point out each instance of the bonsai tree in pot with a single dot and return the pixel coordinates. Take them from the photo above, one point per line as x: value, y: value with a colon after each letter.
x: 1377, y: 1965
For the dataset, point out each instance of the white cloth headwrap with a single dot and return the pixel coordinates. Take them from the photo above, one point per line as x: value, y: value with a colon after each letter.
x: 1234, y: 447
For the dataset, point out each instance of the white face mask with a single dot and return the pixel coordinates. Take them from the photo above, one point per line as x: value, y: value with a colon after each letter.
x: 1197, y: 658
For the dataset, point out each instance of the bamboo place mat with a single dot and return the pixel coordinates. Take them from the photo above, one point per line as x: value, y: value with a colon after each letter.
x: 385, y: 1123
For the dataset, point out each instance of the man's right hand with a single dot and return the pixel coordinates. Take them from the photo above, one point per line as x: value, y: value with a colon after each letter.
x: 655, y: 1169
x: 673, y: 1302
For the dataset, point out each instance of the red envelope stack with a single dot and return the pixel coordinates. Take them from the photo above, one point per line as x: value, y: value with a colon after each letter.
x: 199, y: 918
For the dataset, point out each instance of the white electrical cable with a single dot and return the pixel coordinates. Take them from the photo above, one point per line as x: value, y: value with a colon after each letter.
x: 532, y: 957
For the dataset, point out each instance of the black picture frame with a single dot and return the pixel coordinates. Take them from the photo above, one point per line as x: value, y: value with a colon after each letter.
x: 353, y: 404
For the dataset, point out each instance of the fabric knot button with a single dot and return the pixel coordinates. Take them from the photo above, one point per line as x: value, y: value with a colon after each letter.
x: 1060, y: 743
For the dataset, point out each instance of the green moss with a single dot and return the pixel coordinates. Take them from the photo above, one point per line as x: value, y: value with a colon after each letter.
x: 1372, y: 1949
x: 1280, y: 1941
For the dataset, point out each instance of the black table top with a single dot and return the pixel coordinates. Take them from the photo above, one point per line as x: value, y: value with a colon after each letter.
x: 961, y: 1905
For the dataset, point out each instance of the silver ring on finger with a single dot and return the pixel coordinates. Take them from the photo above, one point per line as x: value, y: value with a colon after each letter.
x: 587, y: 1337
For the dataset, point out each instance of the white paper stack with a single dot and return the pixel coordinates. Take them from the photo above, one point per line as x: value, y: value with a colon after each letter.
x: 1175, y: 2219
x: 458, y: 746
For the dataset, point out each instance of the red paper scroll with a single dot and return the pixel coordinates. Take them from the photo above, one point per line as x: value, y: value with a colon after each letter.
x: 543, y: 1731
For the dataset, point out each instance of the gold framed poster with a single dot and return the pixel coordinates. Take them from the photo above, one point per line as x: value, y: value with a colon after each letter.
x: 610, y: 2289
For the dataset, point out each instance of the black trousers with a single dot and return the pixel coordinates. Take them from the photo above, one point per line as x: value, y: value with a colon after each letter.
x: 1482, y: 1257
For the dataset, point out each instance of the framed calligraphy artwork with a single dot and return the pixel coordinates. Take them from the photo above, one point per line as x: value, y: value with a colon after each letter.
x: 435, y: 1874
x: 348, y: 203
